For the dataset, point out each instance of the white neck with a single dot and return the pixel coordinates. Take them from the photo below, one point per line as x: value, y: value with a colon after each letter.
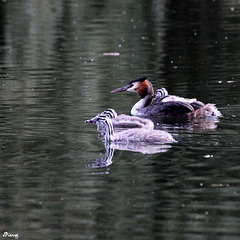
x: 135, y: 111
x: 142, y: 103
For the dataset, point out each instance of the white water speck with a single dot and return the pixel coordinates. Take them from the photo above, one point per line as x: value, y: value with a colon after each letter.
x: 208, y: 156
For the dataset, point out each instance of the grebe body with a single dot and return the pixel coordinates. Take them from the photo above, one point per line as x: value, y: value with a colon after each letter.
x: 131, y: 135
x: 162, y: 104
x: 125, y: 121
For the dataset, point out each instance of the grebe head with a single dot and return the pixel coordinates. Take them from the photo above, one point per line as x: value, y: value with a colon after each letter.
x: 140, y: 85
x: 102, y: 118
x: 111, y: 113
x: 162, y: 92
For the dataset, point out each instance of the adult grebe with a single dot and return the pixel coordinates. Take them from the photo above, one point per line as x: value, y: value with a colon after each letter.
x: 132, y: 135
x: 124, y: 121
x: 164, y: 104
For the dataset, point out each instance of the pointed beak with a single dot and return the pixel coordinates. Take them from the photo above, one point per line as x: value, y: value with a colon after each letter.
x: 92, y: 120
x: 121, y: 89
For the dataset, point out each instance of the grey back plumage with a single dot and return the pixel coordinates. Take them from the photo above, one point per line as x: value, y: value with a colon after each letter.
x: 131, y: 135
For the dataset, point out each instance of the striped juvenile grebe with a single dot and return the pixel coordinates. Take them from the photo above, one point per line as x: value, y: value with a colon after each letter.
x: 124, y: 121
x: 132, y: 135
x: 162, y: 104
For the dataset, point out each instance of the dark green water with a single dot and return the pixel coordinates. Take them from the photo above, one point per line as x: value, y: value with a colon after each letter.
x: 55, y: 181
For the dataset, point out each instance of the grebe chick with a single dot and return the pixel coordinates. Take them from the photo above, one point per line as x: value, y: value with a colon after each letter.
x: 132, y: 135
x: 170, y: 105
x: 124, y: 121
x: 207, y: 111
x: 160, y: 94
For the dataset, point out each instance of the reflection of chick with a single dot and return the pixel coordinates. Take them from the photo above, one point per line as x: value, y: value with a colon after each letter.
x: 125, y: 121
x: 147, y: 148
x: 133, y: 135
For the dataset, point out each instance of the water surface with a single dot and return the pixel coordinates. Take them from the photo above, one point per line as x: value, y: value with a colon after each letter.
x: 55, y: 72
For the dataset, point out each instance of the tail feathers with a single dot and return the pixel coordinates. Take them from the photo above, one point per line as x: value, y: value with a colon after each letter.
x: 209, y: 110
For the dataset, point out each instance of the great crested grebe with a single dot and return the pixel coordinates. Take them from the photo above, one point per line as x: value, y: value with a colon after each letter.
x: 132, y: 135
x: 162, y: 104
x: 124, y: 121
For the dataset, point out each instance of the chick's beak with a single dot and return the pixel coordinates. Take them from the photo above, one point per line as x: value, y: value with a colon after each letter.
x: 92, y: 120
